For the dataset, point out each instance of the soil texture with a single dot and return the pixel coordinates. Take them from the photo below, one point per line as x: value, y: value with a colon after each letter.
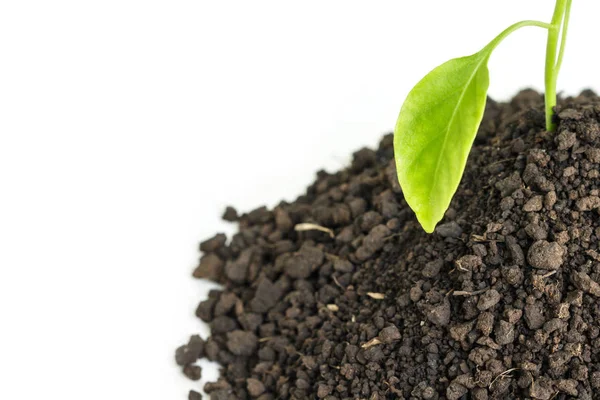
x: 341, y: 295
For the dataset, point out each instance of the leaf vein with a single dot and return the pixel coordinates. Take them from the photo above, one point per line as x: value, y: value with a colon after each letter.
x: 451, y: 122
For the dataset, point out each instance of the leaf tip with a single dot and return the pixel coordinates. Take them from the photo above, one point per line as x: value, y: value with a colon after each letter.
x: 428, y: 223
x: 428, y: 227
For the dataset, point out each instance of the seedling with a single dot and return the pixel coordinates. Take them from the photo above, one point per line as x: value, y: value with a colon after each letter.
x: 440, y: 117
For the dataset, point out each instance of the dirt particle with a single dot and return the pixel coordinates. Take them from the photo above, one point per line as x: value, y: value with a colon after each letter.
x: 415, y: 293
x: 562, y: 237
x: 440, y: 314
x: 541, y: 389
x: 469, y: 262
x: 362, y: 159
x: 455, y: 391
x: 193, y: 372
x: 534, y: 204
x: 342, y: 265
x: 323, y: 391
x: 513, y: 275
x: 304, y: 262
x: 482, y: 355
x: 283, y: 221
x: 225, y: 304
x: 568, y: 386
x: 255, y: 387
x: 480, y: 394
x: 230, y: 214
x: 595, y: 379
x: 513, y: 315
x: 369, y: 220
x: 389, y: 334
x: 242, y: 343
x: 373, y: 242
x: 204, y: 311
x: 211, y: 267
x: 223, y: 324
x: 485, y: 323
x: 189, y: 353
x: 553, y: 325
x: 505, y: 333
x: 213, y: 244
x: 266, y: 296
x: 593, y: 154
x: 237, y: 270
x: 508, y: 185
x: 459, y: 332
x: 575, y: 298
x: 507, y: 203
x: 550, y: 200
x: 534, y: 315
x: 536, y: 180
x: 250, y: 321
x: 582, y: 281
x: 588, y: 203
x: 568, y: 172
x: 449, y: 230
x: 488, y: 300
x: 536, y: 232
x: 545, y: 255
x: 193, y: 395
x: 432, y: 268
x: 570, y: 113
x: 516, y: 252
x: 566, y: 140
x: 558, y: 359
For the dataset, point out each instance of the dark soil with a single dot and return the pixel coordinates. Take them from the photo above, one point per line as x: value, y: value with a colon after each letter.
x: 501, y: 302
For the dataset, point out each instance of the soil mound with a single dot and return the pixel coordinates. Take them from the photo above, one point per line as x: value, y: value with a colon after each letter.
x: 341, y: 295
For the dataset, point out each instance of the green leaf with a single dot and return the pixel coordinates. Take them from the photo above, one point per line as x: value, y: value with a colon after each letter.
x: 436, y: 128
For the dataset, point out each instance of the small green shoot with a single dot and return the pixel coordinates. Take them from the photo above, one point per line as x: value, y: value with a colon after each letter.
x: 440, y: 117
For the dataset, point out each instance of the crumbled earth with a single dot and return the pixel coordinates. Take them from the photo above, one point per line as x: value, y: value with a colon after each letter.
x: 502, y: 301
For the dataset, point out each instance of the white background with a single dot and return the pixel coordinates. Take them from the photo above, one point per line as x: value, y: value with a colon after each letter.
x: 127, y: 126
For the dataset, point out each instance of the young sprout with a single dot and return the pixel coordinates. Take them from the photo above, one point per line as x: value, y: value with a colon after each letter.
x: 440, y: 117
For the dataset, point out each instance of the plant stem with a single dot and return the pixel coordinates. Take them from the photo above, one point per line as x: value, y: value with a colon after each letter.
x: 553, y: 63
x: 494, y: 43
x: 563, y: 40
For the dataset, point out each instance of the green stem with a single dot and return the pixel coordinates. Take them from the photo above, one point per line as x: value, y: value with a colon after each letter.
x: 553, y: 63
x: 563, y: 40
x: 498, y: 39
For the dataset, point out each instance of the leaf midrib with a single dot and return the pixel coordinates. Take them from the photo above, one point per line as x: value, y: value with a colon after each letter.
x: 446, y: 134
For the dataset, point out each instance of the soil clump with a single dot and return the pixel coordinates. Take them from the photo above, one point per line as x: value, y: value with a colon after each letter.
x: 341, y: 295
